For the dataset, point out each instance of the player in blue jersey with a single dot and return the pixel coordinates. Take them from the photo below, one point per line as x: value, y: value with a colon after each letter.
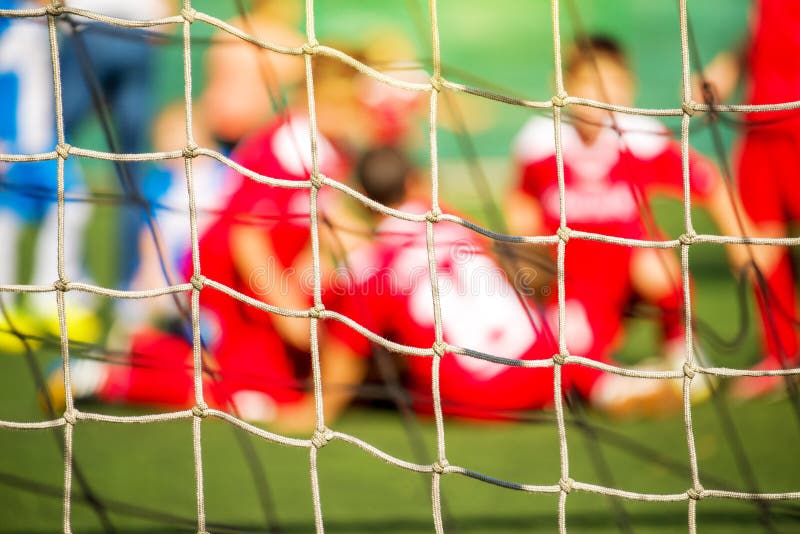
x: 28, y: 190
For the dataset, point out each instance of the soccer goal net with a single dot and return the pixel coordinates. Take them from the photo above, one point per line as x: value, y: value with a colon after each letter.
x: 432, y: 89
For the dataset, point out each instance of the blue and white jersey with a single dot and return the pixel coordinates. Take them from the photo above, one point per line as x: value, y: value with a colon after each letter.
x: 27, y: 119
x: 27, y: 114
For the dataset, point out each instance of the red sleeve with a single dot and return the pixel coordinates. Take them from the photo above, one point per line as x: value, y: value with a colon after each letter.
x: 664, y: 173
x: 534, y: 176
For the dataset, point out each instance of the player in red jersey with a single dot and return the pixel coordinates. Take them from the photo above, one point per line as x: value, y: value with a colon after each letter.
x: 259, y: 247
x: 767, y: 170
x: 611, y: 164
x: 387, y: 289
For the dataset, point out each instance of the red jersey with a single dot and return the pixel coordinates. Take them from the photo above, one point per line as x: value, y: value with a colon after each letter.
x: 774, y: 55
x: 601, y: 183
x: 389, y: 292
x: 282, y: 150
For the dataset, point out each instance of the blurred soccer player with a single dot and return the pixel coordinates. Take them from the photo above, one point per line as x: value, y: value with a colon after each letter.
x: 104, y: 65
x: 28, y: 190
x: 609, y: 162
x: 767, y: 170
x: 388, y: 291
x: 259, y: 246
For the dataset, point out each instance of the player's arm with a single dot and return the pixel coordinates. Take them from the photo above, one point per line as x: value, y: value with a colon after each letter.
x: 250, y: 250
x: 710, y: 192
x: 721, y: 76
x: 725, y: 208
x: 524, y: 214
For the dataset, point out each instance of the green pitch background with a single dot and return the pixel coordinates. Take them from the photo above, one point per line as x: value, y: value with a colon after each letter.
x: 506, y: 43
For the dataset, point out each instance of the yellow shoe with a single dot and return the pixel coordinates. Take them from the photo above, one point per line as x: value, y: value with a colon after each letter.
x: 83, y: 326
x: 18, y: 329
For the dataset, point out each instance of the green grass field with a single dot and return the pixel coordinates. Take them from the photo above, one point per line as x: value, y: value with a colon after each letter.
x: 143, y: 474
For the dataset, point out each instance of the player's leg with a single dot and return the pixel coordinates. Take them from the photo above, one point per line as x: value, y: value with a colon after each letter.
x: 256, y: 375
x: 765, y: 162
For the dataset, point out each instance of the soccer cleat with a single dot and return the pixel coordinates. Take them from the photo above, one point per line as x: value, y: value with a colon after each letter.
x: 752, y: 387
x: 625, y: 397
x: 87, y: 378
x: 632, y: 398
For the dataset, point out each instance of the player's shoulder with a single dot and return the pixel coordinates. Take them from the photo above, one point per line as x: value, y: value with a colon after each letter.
x: 645, y: 137
x: 535, y: 141
x: 291, y: 145
x: 284, y: 148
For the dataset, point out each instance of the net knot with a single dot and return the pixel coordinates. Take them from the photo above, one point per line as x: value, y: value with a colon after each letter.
x: 62, y: 284
x: 440, y: 466
x: 433, y: 216
x: 566, y: 484
x: 190, y: 151
x: 62, y: 149
x: 189, y: 14
x: 560, y: 359
x: 688, y: 238
x: 310, y: 47
x: 437, y: 83
x: 200, y: 410
x: 563, y: 233
x: 689, y: 108
x: 439, y: 348
x: 696, y: 493
x: 320, y: 438
x: 689, y: 370
x: 559, y: 100
x: 198, y: 281
x: 71, y: 416
x: 55, y: 8
x: 317, y: 311
x: 317, y: 180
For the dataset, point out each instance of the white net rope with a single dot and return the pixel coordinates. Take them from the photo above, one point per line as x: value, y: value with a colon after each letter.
x: 322, y: 434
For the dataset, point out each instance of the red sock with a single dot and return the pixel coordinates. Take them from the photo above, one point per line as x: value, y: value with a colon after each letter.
x: 776, y: 304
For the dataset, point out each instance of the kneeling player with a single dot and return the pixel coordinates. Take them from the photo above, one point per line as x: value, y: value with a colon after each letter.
x: 388, y: 291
